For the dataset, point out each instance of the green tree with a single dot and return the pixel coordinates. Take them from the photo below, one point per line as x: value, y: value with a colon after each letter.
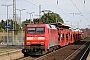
x: 37, y: 21
x: 2, y: 24
x: 27, y: 21
x: 16, y: 25
x: 51, y: 18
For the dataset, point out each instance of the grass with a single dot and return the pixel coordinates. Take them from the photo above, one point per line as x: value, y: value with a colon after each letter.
x: 6, y: 50
x: 2, y: 50
x: 2, y: 34
x: 9, y: 34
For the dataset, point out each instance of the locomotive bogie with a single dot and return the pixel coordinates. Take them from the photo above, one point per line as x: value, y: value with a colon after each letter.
x: 34, y: 49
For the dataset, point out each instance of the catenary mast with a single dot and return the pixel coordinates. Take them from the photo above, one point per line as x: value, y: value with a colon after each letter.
x: 14, y: 19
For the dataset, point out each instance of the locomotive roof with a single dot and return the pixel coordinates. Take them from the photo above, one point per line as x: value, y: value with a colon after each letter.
x: 60, y: 25
x: 41, y: 25
x: 52, y: 25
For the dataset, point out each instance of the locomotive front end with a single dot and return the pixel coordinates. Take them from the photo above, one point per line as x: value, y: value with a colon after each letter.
x: 35, y: 41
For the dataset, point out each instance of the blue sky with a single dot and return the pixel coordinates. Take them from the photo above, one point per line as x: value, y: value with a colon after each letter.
x: 63, y: 8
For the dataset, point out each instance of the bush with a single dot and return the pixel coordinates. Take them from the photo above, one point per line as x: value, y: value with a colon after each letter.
x: 1, y: 41
x: 1, y: 30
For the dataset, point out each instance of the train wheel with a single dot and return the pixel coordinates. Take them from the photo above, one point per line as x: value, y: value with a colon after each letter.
x: 26, y: 55
x: 44, y: 51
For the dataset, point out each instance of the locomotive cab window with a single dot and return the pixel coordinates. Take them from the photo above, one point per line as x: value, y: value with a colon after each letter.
x: 36, y: 30
x: 31, y: 30
x: 40, y: 30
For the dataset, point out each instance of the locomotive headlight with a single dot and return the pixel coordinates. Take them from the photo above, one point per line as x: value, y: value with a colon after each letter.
x: 28, y: 43
x: 29, y: 38
x: 41, y: 38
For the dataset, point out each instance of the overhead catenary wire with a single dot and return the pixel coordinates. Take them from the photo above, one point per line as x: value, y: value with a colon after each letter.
x: 49, y: 2
x: 77, y: 9
x: 56, y: 5
x: 84, y: 7
x: 43, y: 8
x: 76, y: 6
x: 53, y: 4
x: 32, y: 3
x: 80, y: 11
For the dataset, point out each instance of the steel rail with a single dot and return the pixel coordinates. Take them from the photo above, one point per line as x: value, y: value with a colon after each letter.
x: 75, y: 52
x: 23, y: 58
x: 85, y: 52
x: 41, y: 57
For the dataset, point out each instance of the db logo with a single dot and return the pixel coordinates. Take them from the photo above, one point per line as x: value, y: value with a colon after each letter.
x: 35, y: 38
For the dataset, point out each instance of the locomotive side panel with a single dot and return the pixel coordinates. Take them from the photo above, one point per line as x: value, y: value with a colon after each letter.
x: 53, y: 38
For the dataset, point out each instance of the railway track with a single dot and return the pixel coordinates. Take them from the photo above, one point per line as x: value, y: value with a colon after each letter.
x: 39, y: 58
x: 71, y: 52
x: 85, y: 53
x: 81, y: 53
x: 76, y: 51
x: 27, y: 58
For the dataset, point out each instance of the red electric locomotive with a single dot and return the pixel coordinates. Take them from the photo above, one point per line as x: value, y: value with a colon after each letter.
x: 39, y: 38
x: 43, y: 38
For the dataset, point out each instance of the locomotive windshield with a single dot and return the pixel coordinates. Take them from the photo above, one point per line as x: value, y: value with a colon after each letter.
x: 36, y: 30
